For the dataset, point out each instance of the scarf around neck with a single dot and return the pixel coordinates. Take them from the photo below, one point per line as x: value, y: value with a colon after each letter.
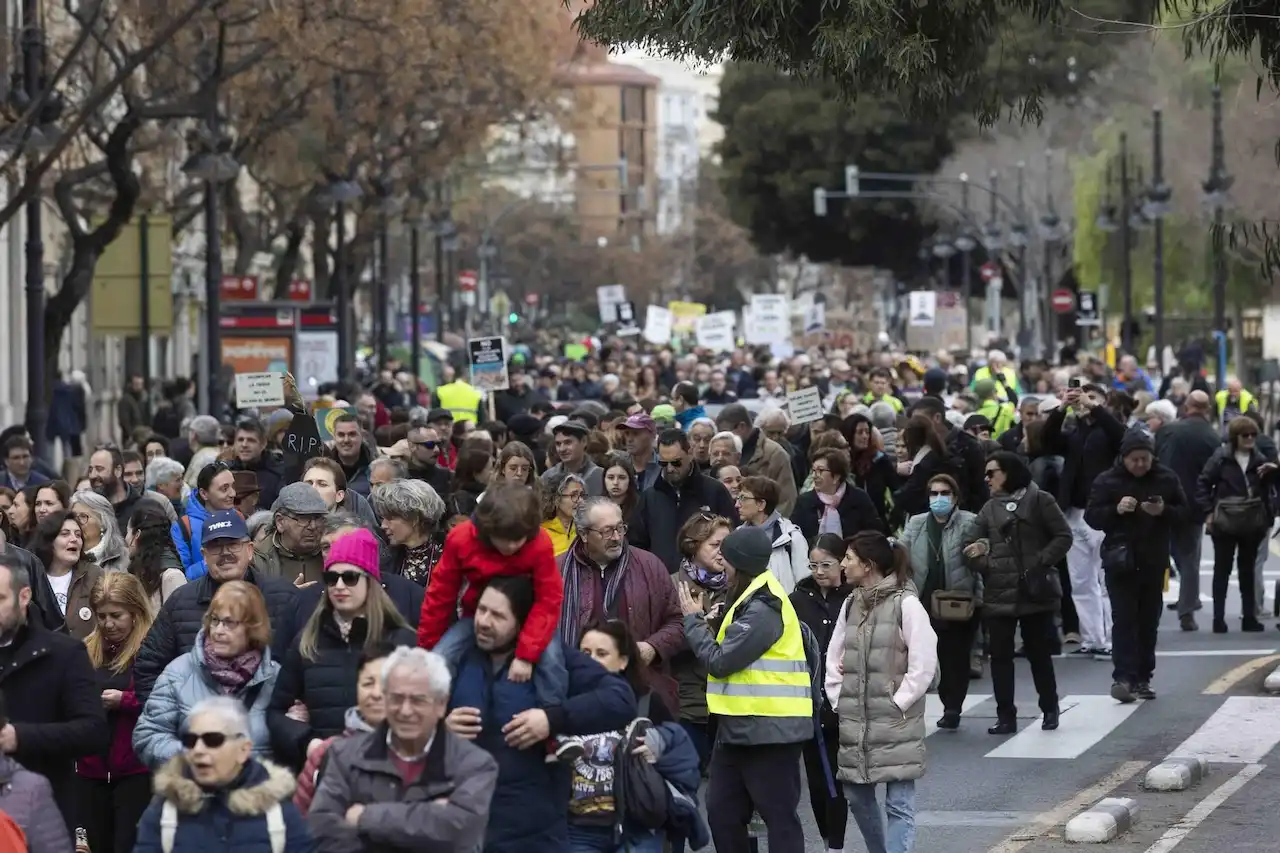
x: 231, y: 674
x: 576, y: 562
x: 714, y: 581
x: 830, y: 521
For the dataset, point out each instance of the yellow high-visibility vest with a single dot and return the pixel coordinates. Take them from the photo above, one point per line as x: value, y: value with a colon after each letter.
x: 1246, y: 400
x: 776, y: 685
x: 870, y: 399
x: 462, y: 400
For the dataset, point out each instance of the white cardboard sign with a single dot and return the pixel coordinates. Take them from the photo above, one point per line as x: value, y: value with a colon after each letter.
x: 657, y: 325
x: 715, y: 331
x: 259, y: 389
x: 804, y: 405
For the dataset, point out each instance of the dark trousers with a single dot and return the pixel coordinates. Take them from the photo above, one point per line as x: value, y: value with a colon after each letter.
x: 955, y: 642
x: 1070, y: 620
x: 109, y: 811
x: 830, y: 811
x: 1038, y: 638
x: 763, y: 779
x: 700, y: 735
x: 1137, y: 600
x: 1245, y: 552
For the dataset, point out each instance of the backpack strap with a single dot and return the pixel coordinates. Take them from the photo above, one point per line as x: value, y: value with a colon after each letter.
x: 168, y: 826
x: 185, y: 523
x: 276, y: 828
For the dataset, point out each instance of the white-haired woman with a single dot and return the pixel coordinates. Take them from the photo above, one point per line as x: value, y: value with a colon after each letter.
x: 216, y: 796
x: 410, y: 511
x: 164, y: 476
x: 102, y: 539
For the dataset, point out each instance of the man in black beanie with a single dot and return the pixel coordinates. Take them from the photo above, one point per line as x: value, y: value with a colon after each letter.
x: 758, y: 687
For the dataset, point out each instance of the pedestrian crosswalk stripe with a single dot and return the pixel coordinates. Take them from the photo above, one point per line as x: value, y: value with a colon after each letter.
x: 933, y: 709
x: 1085, y: 721
x: 1242, y: 731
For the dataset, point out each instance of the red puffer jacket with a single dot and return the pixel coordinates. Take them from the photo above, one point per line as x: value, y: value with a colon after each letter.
x: 467, y: 559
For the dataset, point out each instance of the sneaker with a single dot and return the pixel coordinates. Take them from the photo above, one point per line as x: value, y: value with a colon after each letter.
x: 1071, y: 638
x: 82, y: 840
x: 1102, y: 654
x: 1173, y: 605
x: 1188, y: 623
x: 1081, y: 652
x: 1143, y: 690
x: 567, y: 750
x: 1122, y: 693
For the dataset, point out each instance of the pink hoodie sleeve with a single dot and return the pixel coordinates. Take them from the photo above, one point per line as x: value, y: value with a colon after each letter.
x: 835, y: 660
x: 922, y: 653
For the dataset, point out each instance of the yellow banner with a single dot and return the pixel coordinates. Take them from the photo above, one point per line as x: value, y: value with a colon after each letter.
x: 685, y: 314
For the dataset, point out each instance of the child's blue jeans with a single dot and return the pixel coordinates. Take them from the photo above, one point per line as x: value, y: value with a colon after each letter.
x: 550, y: 674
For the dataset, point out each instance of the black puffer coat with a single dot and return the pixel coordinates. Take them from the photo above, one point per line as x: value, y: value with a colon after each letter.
x: 1032, y: 537
x: 326, y: 685
x: 179, y: 620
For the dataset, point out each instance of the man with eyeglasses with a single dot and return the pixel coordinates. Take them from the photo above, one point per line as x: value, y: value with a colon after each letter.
x: 293, y: 551
x: 680, y: 493
x: 425, y: 447
x: 228, y: 556
x: 601, y: 570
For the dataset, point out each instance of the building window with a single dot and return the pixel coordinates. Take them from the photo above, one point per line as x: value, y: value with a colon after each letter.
x: 633, y: 105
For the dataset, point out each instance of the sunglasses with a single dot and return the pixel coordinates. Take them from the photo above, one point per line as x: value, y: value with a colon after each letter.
x: 428, y: 445
x: 670, y: 463
x: 989, y: 473
x: 349, y: 578
x: 213, y: 740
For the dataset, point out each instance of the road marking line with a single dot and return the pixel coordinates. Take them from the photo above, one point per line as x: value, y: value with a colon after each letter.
x: 1065, y: 810
x: 1242, y: 731
x: 1215, y: 653
x: 1232, y: 677
x: 1175, y: 834
x: 933, y: 708
x: 1085, y: 721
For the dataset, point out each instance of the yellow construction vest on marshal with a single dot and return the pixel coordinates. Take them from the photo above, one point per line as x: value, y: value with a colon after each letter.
x: 776, y: 685
x: 461, y: 399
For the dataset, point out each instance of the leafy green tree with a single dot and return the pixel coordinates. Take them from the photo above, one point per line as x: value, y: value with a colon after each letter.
x: 785, y: 137
x: 939, y: 57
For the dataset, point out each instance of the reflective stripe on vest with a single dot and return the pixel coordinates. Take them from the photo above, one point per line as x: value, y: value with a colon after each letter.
x: 462, y: 400
x: 775, y: 685
x: 1246, y: 400
x: 870, y: 400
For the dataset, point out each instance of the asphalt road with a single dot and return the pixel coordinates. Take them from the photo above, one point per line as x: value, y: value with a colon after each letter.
x: 986, y: 794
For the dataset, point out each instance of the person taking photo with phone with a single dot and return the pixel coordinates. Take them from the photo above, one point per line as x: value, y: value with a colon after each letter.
x: 1137, y: 505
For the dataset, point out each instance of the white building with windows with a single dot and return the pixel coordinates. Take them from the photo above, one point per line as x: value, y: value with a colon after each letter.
x: 686, y: 132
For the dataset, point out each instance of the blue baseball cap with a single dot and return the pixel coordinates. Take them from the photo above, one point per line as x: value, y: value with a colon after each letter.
x: 224, y: 524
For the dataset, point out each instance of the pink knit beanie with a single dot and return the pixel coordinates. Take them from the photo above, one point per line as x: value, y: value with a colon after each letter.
x: 358, y: 548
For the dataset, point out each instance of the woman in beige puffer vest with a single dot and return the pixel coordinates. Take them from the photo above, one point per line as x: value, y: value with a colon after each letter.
x: 880, y: 663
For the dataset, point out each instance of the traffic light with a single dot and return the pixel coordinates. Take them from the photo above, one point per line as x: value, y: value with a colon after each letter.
x: 513, y: 318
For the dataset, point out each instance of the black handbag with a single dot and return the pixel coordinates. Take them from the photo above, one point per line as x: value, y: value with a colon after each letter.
x: 1242, y: 518
x: 1117, y: 557
x: 639, y: 790
x: 1035, y: 585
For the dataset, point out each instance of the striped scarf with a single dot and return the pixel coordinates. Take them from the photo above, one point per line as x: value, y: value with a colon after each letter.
x: 576, y: 563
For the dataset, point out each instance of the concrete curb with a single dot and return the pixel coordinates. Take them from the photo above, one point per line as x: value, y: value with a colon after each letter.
x: 1105, y: 821
x: 1272, y: 682
x: 1176, y: 774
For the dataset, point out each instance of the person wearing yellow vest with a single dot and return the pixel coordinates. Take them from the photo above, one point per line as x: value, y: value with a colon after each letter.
x: 881, y: 660
x: 461, y: 399
x: 881, y: 381
x: 1232, y: 401
x: 997, y: 368
x: 760, y: 691
x: 1001, y: 415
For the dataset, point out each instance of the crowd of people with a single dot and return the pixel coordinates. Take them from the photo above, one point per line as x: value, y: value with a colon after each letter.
x: 635, y: 608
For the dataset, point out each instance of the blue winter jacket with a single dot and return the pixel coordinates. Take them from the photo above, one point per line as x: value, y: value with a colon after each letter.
x: 678, y: 764
x: 189, y: 548
x: 186, y: 682
x: 233, y: 819
x: 529, y: 812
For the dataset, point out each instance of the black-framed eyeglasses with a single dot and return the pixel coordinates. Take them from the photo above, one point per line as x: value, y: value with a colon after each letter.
x: 609, y: 532
x: 213, y: 740
x: 349, y: 578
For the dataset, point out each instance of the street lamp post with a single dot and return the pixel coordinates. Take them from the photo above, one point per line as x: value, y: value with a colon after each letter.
x: 993, y: 241
x: 1156, y: 209
x: 1216, y: 189
x: 37, y: 411
x: 1018, y: 238
x: 1126, y: 246
x: 1051, y: 235
x: 966, y: 244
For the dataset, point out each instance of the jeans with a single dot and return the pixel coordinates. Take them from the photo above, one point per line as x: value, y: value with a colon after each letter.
x: 1245, y: 554
x: 1186, y: 543
x: 1137, y: 600
x: 1038, y: 632
x: 599, y: 839
x: 763, y: 779
x: 550, y: 674
x: 955, y: 642
x: 899, y: 807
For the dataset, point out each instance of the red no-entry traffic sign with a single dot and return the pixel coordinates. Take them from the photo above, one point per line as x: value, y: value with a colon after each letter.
x: 1063, y: 301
